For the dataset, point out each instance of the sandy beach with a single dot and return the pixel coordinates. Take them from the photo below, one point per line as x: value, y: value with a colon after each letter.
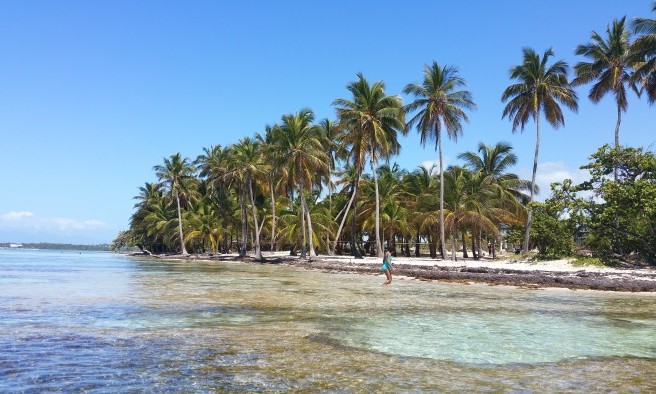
x: 504, y: 270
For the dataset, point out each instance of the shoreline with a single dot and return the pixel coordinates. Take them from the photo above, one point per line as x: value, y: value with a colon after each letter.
x: 500, y: 271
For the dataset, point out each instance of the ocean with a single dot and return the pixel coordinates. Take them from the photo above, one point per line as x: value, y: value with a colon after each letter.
x: 101, y: 322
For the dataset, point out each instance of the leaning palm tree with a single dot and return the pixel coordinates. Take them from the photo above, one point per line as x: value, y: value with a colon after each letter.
x: 371, y: 120
x: 174, y: 172
x: 440, y: 104
x: 539, y: 90
x: 300, y: 147
x: 610, y: 68
x: 347, y: 177
x: 645, y: 47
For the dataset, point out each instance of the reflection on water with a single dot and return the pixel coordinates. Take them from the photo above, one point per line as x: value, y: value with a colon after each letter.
x: 98, y: 321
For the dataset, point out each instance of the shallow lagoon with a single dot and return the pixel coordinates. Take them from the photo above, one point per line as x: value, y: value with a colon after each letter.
x: 75, y: 321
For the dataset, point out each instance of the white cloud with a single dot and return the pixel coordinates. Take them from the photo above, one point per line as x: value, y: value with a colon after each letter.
x: 550, y: 172
x: 25, y: 220
x: 430, y: 163
x: 15, y: 215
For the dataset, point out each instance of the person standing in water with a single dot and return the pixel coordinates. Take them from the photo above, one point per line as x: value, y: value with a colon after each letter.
x: 387, y: 266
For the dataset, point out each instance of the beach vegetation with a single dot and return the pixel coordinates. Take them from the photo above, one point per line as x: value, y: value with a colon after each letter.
x: 590, y: 262
x: 330, y: 186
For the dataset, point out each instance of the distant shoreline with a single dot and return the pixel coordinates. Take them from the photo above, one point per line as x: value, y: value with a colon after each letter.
x: 524, y: 274
x: 55, y: 246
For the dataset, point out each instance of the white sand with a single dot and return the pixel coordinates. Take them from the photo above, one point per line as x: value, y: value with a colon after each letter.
x: 507, y: 261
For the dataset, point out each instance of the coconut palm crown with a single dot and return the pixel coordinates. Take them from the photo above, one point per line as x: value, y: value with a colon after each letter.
x: 645, y: 47
x: 610, y: 67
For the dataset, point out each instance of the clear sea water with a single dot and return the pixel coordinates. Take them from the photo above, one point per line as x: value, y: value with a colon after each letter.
x: 102, y: 322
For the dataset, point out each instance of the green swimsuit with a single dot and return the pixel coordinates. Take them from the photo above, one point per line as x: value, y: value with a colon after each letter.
x: 386, y: 265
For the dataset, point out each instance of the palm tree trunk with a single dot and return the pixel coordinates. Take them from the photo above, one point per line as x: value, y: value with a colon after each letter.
x: 464, y: 245
x: 417, y: 244
x: 309, y: 224
x: 618, y: 246
x: 244, y: 224
x: 256, y: 240
x: 454, y: 235
x: 177, y: 199
x: 303, y: 251
x: 379, y: 249
x: 273, y: 221
x: 354, y: 247
x: 442, y: 240
x: 479, y: 241
x: 617, y: 127
x: 341, y: 225
x: 617, y: 138
x: 330, y: 205
x: 529, y: 215
x: 348, y: 206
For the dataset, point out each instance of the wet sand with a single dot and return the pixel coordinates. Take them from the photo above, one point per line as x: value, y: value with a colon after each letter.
x: 504, y: 270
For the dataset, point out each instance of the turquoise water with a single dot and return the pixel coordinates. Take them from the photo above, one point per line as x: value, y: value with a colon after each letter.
x: 83, y: 321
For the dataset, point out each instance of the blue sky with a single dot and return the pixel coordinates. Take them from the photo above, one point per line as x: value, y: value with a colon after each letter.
x: 94, y: 94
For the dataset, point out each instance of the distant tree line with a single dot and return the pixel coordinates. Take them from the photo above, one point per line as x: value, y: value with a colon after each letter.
x: 57, y: 246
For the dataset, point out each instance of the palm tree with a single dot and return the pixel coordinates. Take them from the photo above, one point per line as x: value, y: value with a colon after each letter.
x: 440, y: 104
x: 245, y: 166
x: 150, y: 195
x: 540, y: 89
x: 300, y: 150
x: 372, y: 120
x: 205, y: 225
x: 420, y: 188
x: 276, y: 176
x: 495, y: 161
x: 645, y: 47
x: 469, y: 199
x: 174, y: 172
x: 160, y: 224
x: 610, y: 68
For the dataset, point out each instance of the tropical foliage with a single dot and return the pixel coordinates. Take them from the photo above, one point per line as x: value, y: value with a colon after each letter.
x: 331, y: 186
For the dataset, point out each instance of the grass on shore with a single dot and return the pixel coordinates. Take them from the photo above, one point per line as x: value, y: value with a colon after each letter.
x: 595, y: 262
